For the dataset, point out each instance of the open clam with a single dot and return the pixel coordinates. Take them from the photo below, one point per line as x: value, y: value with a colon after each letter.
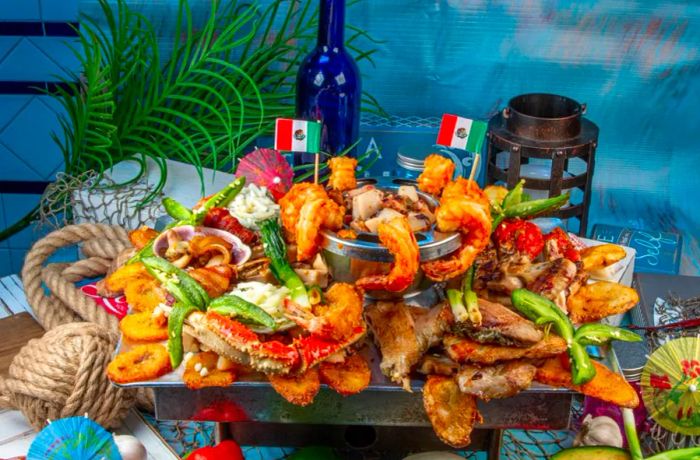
x: 181, y: 245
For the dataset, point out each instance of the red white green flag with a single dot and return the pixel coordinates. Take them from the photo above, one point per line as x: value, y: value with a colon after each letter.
x: 461, y: 133
x: 297, y: 135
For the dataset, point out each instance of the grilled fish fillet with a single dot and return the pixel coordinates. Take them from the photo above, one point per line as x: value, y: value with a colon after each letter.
x: 465, y: 350
x: 500, y: 325
x: 496, y: 382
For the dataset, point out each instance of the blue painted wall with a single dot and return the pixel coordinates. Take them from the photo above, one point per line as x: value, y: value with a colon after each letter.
x: 635, y: 63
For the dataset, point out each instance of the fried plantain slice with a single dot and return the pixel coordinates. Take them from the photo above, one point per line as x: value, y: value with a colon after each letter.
x: 142, y: 236
x: 143, y: 362
x: 347, y: 378
x: 606, y: 385
x: 144, y: 294
x: 451, y: 412
x: 300, y: 389
x: 201, y: 371
x: 597, y: 258
x: 598, y: 300
x: 120, y: 278
x: 143, y: 327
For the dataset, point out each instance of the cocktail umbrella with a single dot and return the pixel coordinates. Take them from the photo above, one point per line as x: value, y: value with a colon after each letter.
x: 268, y: 168
x: 73, y: 438
x: 671, y: 386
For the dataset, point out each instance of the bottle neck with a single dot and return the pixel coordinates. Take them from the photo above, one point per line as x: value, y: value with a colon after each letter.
x: 331, y: 23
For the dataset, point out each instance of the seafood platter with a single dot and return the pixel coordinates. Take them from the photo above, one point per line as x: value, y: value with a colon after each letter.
x: 427, y: 303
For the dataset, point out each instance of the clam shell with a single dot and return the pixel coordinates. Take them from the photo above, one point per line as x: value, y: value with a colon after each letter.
x: 240, y: 253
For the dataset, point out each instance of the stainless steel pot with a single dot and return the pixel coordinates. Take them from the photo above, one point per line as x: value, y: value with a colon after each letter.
x: 350, y: 260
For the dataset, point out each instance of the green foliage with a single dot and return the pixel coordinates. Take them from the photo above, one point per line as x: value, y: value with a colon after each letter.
x: 221, y: 88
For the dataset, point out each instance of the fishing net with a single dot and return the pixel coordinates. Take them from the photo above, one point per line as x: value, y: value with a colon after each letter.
x: 91, y: 197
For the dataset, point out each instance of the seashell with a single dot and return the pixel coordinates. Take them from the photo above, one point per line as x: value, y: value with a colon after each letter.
x: 240, y: 252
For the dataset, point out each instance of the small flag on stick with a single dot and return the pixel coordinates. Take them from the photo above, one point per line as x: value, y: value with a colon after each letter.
x: 297, y: 135
x: 461, y: 133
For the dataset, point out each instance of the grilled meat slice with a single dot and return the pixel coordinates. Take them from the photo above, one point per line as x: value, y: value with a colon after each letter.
x: 394, y: 332
x: 560, y: 278
x: 437, y: 365
x: 500, y: 325
x: 496, y: 382
x: 465, y: 350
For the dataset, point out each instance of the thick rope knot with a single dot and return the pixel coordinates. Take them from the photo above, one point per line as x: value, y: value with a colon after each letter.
x: 63, y: 374
x: 67, y: 302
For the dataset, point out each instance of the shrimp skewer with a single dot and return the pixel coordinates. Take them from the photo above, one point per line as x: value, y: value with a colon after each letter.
x: 396, y: 235
x: 342, y: 173
x: 292, y: 202
x: 470, y: 217
x: 437, y: 173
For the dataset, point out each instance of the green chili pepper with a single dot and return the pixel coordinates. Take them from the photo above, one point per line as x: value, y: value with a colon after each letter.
x: 219, y: 199
x: 176, y: 321
x: 582, y: 369
x: 175, y: 209
x: 232, y: 305
x: 535, y: 207
x: 514, y: 195
x: 177, y: 282
x: 600, y: 334
x: 542, y: 311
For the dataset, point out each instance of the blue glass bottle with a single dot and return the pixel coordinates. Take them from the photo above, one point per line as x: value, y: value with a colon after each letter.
x: 328, y: 83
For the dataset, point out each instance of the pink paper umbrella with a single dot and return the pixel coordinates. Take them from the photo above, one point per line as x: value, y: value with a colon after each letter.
x: 267, y: 168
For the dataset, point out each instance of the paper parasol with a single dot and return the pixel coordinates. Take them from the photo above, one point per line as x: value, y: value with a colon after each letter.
x: 671, y: 386
x: 73, y: 438
x: 268, y: 168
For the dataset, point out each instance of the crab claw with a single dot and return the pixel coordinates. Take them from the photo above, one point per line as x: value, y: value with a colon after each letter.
x: 313, y: 348
x: 236, y: 341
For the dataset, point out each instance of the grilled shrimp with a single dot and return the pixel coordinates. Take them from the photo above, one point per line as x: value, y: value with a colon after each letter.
x: 396, y: 235
x: 292, y: 202
x: 342, y: 173
x: 437, y: 173
x: 313, y: 216
x: 338, y: 319
x: 462, y: 187
x: 473, y: 220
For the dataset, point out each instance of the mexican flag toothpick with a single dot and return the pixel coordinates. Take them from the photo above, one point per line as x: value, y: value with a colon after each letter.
x: 297, y: 135
x: 461, y: 133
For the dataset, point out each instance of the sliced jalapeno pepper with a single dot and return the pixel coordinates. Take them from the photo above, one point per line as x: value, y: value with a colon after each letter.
x: 582, y: 369
x: 535, y: 207
x: 175, y: 209
x: 514, y: 195
x: 177, y: 282
x: 232, y: 305
x: 600, y: 334
x: 219, y: 200
x: 176, y: 321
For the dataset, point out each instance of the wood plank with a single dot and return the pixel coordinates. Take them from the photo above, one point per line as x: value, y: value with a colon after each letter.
x: 12, y: 293
x: 16, y: 331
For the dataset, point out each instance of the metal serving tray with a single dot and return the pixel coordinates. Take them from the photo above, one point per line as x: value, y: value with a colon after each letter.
x: 383, y: 403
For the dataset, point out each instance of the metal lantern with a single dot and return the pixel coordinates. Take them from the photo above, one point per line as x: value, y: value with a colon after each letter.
x: 551, y: 129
